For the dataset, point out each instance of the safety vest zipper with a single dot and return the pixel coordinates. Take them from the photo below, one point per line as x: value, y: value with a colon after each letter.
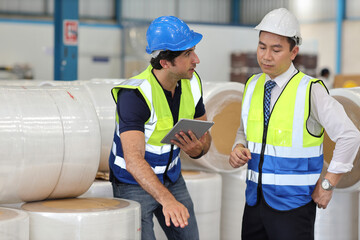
x: 262, y: 161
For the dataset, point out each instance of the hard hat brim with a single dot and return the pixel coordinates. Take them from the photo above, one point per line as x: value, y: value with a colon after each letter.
x: 196, y: 38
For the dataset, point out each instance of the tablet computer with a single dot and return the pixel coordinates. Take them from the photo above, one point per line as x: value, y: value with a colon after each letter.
x: 198, y: 127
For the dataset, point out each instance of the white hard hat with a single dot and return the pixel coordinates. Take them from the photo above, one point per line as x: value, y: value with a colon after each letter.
x: 282, y: 22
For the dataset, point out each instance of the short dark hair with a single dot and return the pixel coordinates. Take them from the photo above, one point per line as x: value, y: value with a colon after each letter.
x: 290, y: 40
x: 324, y: 71
x: 166, y: 55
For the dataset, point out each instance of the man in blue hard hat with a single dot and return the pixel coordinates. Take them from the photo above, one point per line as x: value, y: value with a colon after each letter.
x: 148, y: 105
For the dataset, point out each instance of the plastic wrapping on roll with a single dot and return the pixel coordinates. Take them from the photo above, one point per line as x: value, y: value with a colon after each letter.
x: 223, y: 106
x: 350, y: 100
x: 31, y: 144
x: 12, y: 205
x: 204, y: 186
x: 205, y: 191
x: 340, y: 219
x: 84, y: 219
x: 49, y: 143
x: 99, y: 189
x: 82, y: 142
x: 232, y: 203
x: 100, y: 93
x: 14, y: 224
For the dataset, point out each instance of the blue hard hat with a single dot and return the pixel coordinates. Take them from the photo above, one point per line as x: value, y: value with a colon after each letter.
x: 170, y: 33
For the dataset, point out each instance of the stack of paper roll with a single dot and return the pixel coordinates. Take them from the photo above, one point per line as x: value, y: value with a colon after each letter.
x: 205, y: 192
x: 99, y: 189
x: 84, y: 219
x: 49, y: 140
x: 223, y: 106
x: 14, y: 224
x: 340, y: 219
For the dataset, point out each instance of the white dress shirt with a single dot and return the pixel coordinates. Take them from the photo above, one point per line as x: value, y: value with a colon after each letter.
x: 326, y: 112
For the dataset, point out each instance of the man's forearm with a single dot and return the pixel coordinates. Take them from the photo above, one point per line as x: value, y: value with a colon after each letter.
x: 147, y: 179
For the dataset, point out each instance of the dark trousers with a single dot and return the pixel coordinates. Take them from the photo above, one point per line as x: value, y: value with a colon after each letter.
x: 262, y: 222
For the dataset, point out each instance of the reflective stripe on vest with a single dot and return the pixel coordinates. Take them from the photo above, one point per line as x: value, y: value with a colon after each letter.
x: 292, y: 157
x: 158, y: 124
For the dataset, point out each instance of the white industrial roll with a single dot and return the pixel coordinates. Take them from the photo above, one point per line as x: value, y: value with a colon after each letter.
x: 204, y: 189
x: 82, y: 142
x: 223, y: 106
x: 14, y: 224
x: 12, y: 205
x: 99, y: 189
x: 17, y: 82
x: 340, y: 219
x: 350, y: 99
x: 232, y: 203
x: 84, y: 219
x: 100, y: 93
x: 205, y: 192
x: 31, y: 144
x: 49, y: 143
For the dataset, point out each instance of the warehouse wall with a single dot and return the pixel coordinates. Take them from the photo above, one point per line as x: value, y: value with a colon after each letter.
x: 33, y: 43
x: 220, y: 41
x: 325, y: 35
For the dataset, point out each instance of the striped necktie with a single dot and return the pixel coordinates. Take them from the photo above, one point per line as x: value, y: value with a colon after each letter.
x: 267, y: 97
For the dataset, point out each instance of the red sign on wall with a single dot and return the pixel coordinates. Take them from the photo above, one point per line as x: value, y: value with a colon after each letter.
x: 70, y: 32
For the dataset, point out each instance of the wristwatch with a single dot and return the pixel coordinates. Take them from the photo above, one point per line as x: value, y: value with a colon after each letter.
x: 326, y: 185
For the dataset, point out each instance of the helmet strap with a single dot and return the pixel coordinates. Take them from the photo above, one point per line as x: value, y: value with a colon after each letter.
x: 155, y: 53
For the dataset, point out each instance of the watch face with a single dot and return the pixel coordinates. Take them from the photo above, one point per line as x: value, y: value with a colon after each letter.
x: 325, y: 184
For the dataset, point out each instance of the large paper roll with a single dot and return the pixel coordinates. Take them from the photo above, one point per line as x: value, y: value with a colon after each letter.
x: 14, y: 224
x: 99, y: 91
x: 205, y: 192
x: 31, y: 144
x: 82, y: 142
x: 49, y: 140
x: 232, y: 203
x: 223, y: 106
x: 340, y: 219
x: 84, y: 219
x: 350, y: 99
x: 99, y: 189
x: 204, y: 186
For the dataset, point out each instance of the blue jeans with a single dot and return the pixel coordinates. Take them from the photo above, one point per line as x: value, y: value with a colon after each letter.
x: 150, y: 206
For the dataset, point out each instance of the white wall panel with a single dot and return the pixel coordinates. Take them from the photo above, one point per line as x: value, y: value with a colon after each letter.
x: 33, y: 6
x: 147, y: 10
x: 253, y: 11
x: 312, y: 11
x: 352, y: 9
x: 97, y: 9
x: 33, y: 44
x: 212, y: 11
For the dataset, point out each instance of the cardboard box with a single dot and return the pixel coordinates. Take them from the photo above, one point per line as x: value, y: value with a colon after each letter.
x: 346, y: 81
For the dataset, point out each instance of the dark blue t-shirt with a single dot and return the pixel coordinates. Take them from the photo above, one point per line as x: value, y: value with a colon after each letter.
x: 134, y: 112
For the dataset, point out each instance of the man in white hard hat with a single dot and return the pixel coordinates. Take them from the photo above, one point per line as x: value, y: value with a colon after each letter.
x: 284, y: 114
